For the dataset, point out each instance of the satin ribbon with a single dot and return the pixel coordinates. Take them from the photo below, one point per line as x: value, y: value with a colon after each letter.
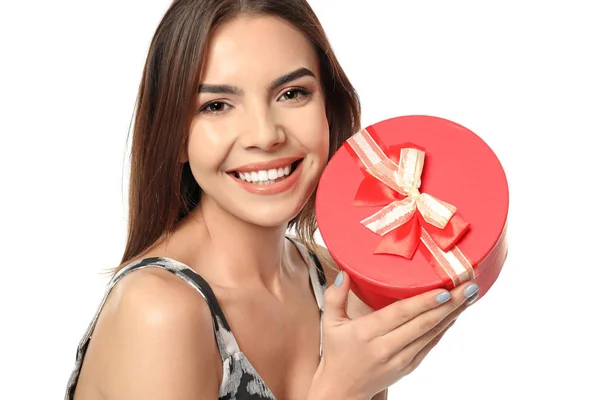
x: 409, y: 217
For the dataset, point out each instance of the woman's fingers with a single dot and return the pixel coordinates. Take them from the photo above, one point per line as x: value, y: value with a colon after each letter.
x: 396, y: 314
x: 420, y: 356
x: 336, y: 298
x: 416, y: 333
x: 427, y: 308
x: 412, y: 349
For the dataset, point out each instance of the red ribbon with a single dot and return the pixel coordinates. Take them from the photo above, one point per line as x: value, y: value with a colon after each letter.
x: 405, y: 239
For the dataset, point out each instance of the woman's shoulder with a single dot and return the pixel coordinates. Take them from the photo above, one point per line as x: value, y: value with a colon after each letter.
x: 157, y: 296
x: 154, y: 336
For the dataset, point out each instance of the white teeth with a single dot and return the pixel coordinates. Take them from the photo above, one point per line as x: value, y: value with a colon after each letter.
x: 264, y: 176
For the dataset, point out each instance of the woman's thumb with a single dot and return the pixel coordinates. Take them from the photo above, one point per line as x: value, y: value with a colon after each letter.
x: 336, y: 298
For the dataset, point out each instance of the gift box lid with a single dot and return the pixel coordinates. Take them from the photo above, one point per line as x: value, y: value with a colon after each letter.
x: 459, y: 169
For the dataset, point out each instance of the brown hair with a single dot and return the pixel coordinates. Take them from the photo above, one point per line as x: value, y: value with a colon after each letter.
x: 162, y: 190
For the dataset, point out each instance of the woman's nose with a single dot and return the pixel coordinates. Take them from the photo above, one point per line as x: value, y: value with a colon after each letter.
x: 262, y: 132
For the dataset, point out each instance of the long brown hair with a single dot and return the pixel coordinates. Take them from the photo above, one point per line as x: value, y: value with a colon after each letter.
x: 162, y: 190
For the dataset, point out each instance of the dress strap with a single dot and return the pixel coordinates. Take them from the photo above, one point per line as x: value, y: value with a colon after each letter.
x: 317, y: 274
x: 317, y: 280
x: 223, y: 335
x: 321, y: 272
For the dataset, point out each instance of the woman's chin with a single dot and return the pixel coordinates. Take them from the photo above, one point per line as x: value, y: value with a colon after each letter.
x: 273, y: 220
x: 272, y: 216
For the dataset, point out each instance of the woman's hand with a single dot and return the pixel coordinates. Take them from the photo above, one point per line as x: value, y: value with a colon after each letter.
x: 366, y: 354
x: 355, y: 307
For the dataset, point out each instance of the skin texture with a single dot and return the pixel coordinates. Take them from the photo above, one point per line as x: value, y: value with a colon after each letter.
x: 154, y: 338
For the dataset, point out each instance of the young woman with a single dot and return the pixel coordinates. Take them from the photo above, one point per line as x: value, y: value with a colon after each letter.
x: 241, y: 104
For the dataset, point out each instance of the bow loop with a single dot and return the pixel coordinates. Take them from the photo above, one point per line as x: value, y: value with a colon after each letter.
x: 404, y: 178
x: 410, y: 168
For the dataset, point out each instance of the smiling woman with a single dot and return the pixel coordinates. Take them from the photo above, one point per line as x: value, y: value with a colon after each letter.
x: 241, y: 105
x: 257, y: 117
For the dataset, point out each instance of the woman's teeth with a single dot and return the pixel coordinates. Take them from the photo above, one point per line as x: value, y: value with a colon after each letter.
x: 263, y: 177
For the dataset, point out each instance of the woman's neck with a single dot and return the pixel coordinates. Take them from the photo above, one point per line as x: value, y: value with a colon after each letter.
x: 239, y: 252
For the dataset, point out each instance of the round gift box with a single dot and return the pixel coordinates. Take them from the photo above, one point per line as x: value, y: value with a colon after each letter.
x: 459, y: 169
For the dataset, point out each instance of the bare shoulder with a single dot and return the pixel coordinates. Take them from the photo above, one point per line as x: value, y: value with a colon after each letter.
x: 155, y: 340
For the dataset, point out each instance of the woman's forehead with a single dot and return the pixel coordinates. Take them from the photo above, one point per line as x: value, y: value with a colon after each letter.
x: 256, y: 48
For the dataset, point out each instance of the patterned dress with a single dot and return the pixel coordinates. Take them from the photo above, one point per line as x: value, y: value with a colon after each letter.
x: 240, y: 379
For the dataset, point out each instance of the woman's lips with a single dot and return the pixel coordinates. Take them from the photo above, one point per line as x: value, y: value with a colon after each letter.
x: 279, y: 185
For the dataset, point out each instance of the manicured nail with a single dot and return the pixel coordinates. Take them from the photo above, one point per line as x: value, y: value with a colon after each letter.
x: 339, y: 279
x: 443, y: 297
x: 471, y: 290
x: 471, y: 299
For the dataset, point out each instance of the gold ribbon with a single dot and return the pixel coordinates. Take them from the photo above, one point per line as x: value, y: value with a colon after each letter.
x: 404, y: 177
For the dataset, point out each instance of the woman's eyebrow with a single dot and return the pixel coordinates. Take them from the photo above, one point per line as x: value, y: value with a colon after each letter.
x: 282, y: 80
x: 205, y: 88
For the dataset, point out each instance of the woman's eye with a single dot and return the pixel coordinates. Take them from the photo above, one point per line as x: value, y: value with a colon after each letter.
x: 295, y: 94
x: 214, y: 107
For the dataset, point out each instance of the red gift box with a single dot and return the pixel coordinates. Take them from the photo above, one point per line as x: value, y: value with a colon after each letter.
x: 412, y: 204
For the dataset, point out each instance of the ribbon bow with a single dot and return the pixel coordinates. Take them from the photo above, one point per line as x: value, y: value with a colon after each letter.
x: 436, y: 223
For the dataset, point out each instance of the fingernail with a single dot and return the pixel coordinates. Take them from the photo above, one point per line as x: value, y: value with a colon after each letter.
x: 339, y: 279
x: 443, y: 297
x: 471, y: 299
x: 471, y: 290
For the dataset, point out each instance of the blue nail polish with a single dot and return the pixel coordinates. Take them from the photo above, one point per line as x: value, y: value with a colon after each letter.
x: 471, y: 290
x: 443, y: 297
x: 339, y: 279
x: 471, y: 299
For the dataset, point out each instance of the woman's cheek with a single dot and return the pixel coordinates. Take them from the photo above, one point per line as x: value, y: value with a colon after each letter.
x: 207, y: 146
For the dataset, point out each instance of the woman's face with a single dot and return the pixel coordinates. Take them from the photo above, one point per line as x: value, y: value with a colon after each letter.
x: 260, y: 138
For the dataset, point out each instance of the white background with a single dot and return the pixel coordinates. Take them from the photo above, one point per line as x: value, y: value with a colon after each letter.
x: 524, y: 75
